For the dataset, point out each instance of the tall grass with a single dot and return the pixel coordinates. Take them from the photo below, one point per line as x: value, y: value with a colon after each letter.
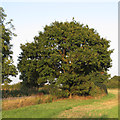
x: 13, y: 103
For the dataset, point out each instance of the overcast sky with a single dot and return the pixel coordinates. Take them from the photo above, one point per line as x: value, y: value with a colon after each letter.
x: 30, y: 17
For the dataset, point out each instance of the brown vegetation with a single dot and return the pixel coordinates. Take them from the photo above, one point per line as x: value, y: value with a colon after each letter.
x: 13, y: 103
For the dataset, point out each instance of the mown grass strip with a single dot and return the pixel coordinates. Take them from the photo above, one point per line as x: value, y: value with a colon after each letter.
x: 103, y: 113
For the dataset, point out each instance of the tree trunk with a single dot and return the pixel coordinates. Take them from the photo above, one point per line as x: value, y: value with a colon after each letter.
x: 70, y: 96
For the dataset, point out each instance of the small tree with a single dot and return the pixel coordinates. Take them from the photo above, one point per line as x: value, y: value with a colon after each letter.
x: 69, y: 54
x: 28, y: 65
x: 6, y: 36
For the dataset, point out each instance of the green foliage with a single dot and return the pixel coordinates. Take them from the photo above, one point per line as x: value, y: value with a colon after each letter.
x: 11, y: 87
x: 55, y: 91
x: 44, y: 91
x: 113, y: 82
x: 68, y: 108
x: 102, y: 87
x: 8, y: 69
x: 62, y: 94
x: 69, y: 55
x: 95, y: 91
x: 19, y: 90
x: 19, y: 93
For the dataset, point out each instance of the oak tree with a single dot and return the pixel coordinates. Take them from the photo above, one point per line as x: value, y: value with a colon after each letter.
x: 68, y: 54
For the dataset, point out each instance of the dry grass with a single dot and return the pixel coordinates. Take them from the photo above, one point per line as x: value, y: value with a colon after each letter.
x: 17, y: 102
x: 13, y: 103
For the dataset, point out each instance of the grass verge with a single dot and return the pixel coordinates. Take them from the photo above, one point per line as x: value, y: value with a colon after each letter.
x: 51, y: 110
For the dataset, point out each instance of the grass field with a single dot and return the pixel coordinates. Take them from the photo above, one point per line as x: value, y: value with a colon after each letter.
x: 105, y: 107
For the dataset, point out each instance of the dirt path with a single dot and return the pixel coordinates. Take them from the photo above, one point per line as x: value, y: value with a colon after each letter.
x: 80, y: 111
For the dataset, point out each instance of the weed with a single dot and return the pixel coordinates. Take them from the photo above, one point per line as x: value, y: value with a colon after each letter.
x: 68, y: 108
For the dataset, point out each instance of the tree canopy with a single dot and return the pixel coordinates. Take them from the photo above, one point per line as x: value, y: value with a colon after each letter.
x: 68, y: 54
x: 8, y: 69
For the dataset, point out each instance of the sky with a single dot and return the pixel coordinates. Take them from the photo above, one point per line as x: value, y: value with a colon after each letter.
x: 30, y: 17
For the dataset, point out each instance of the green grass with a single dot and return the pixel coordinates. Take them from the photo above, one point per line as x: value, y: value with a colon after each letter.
x: 103, y: 113
x: 51, y: 110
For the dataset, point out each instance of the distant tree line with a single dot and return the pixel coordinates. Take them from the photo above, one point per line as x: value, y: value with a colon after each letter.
x: 113, y: 82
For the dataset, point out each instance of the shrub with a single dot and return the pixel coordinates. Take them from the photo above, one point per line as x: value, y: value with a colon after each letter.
x: 97, y: 89
x: 11, y: 87
x: 113, y: 82
x: 62, y: 94
x: 44, y: 90
x: 68, y: 108
x: 102, y: 87
x: 18, y: 93
x: 55, y: 91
